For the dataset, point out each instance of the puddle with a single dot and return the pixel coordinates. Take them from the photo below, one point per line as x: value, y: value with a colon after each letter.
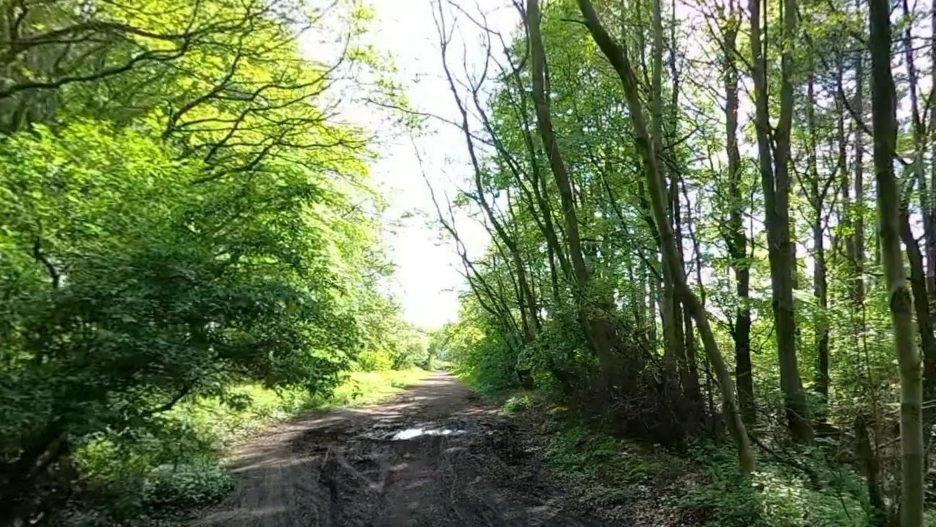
x: 412, y: 433
x: 447, y: 428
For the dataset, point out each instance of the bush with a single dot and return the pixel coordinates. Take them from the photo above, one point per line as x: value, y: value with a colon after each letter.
x: 489, y: 364
x: 164, y: 496
x: 190, y: 485
x: 558, y: 360
x: 517, y: 403
x: 374, y: 360
x: 705, y: 485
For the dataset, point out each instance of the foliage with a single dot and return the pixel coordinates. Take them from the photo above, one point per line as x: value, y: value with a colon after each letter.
x: 489, y: 365
x: 774, y: 495
x: 186, y: 486
x: 184, y: 225
x: 163, y: 476
x: 391, y: 343
x: 704, y: 485
x: 570, y: 129
x: 485, y: 362
x: 517, y: 403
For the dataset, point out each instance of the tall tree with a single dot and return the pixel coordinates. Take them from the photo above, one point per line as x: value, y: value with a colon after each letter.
x: 598, y: 326
x: 734, y: 234
x: 775, y: 182
x: 884, y: 119
x: 817, y: 192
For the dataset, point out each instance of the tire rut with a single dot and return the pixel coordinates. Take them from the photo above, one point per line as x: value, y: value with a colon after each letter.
x: 429, y: 457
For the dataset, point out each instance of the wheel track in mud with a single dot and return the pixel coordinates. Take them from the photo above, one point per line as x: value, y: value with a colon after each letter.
x: 430, y: 457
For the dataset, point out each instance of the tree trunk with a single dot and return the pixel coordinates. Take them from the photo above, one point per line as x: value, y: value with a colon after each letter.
x: 553, y: 275
x: 922, y: 288
x: 653, y: 293
x: 735, y: 237
x: 931, y: 221
x: 776, y: 187
x: 919, y: 148
x: 884, y: 119
x: 691, y: 374
x: 871, y: 469
x: 674, y: 351
x: 656, y: 186
x: 924, y: 320
x: 853, y: 334
x: 857, y: 255
x: 820, y: 282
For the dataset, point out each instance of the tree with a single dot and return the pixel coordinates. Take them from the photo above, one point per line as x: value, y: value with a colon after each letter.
x: 734, y: 234
x: 598, y: 327
x: 182, y: 215
x: 884, y: 117
x: 680, y: 222
x: 775, y: 182
x: 655, y: 186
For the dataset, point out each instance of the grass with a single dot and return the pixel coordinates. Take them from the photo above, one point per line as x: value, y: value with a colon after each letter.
x: 516, y: 403
x: 775, y: 495
x: 226, y: 423
x: 607, y: 469
x: 157, y: 479
x: 365, y: 388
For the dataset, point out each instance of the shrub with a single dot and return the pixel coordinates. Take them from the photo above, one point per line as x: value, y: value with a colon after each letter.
x: 190, y: 485
x: 163, y: 496
x: 489, y: 364
x: 517, y: 403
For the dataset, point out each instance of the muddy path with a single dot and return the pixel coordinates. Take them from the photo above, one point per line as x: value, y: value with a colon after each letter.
x: 431, y: 456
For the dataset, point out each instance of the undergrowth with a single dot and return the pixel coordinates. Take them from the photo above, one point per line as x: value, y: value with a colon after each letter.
x: 517, y: 403
x: 700, y: 486
x: 608, y: 469
x: 775, y: 495
x: 159, y: 477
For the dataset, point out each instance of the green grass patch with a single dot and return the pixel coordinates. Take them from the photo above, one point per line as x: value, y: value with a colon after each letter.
x: 229, y: 423
x: 517, y: 403
x: 365, y: 388
x: 608, y: 470
x: 157, y: 477
x: 702, y: 487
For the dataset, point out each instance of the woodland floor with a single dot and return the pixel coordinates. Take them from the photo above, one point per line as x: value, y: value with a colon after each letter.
x: 434, y: 455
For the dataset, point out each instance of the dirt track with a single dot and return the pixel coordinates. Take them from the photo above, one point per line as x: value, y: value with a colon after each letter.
x: 432, y: 456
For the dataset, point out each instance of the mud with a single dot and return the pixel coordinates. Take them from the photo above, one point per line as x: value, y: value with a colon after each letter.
x: 432, y: 456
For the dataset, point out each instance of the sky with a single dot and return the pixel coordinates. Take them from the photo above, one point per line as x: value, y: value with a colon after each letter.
x: 428, y: 275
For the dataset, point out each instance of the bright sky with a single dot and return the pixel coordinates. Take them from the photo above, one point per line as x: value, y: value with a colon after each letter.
x: 427, y: 265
